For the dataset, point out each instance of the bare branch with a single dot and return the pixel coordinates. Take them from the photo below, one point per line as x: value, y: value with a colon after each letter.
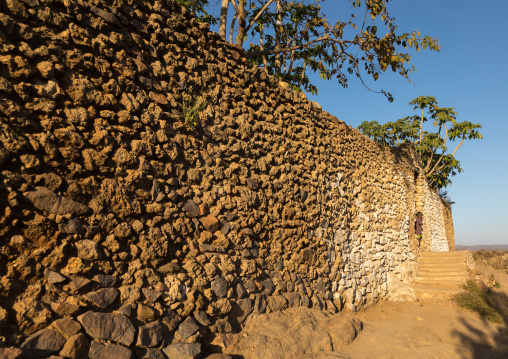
x: 302, y: 46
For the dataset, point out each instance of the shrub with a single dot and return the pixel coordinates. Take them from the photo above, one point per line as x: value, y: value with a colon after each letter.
x: 476, y: 298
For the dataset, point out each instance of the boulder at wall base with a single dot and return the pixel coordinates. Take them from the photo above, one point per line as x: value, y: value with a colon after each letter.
x: 108, y: 351
x: 45, y: 200
x: 43, y: 343
x: 116, y: 327
x: 182, y: 351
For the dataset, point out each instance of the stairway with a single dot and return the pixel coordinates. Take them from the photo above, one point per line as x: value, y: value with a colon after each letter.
x: 440, y: 274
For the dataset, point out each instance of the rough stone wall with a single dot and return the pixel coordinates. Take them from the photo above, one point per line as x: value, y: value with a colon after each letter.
x: 450, y: 234
x: 115, y: 214
x: 434, y: 236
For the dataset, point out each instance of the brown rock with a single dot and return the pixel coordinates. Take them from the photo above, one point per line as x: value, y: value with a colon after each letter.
x: 276, y: 303
x: 76, y: 346
x: 65, y: 309
x: 182, y: 351
x: 188, y: 327
x: 108, y: 351
x: 43, y: 343
x: 114, y: 327
x: 45, y: 200
x: 191, y: 208
x: 10, y: 353
x: 103, y: 298
x: 67, y: 327
x: 150, y: 335
x: 46, y: 69
x: 211, y: 223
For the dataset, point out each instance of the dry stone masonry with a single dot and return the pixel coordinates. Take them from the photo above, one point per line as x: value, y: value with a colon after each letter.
x: 124, y: 234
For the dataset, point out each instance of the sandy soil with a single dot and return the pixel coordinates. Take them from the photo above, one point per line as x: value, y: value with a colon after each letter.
x: 431, y: 330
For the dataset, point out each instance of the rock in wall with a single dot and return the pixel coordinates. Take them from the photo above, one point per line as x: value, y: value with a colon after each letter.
x: 122, y: 231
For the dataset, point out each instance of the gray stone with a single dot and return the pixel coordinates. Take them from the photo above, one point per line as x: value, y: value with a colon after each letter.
x: 191, y: 208
x: 251, y: 286
x: 151, y: 295
x: 241, y: 310
x: 65, y: 309
x: 43, y: 343
x: 107, y: 16
x: 221, y: 326
x: 293, y: 299
x: 103, y: 298
x: 80, y: 283
x: 66, y: 326
x: 202, y: 318
x: 54, y: 277
x: 268, y: 286
x: 182, y: 351
x: 220, y: 287
x: 259, y: 304
x: 45, y: 200
x: 116, y: 327
x: 187, y: 328
x: 105, y: 280
x: 150, y: 335
x: 100, y: 350
x: 72, y: 226
x: 241, y: 292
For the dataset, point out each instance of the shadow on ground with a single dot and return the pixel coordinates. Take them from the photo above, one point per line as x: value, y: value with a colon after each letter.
x: 480, y: 345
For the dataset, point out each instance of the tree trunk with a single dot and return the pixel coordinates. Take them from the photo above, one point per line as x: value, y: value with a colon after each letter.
x: 223, y: 19
x: 278, y: 33
x: 241, y: 23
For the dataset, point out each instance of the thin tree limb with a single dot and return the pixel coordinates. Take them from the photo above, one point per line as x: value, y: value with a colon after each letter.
x: 442, y: 155
x: 258, y: 15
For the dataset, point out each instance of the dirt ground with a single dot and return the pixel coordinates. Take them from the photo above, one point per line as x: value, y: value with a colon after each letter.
x: 430, y: 330
x: 403, y: 330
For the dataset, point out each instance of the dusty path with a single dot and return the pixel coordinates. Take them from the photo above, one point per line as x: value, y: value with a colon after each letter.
x: 430, y: 330
x: 406, y: 330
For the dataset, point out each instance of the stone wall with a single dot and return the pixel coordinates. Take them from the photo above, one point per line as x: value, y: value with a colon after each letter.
x: 434, y: 236
x: 450, y: 233
x: 114, y: 214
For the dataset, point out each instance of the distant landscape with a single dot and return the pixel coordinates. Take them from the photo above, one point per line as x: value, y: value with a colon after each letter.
x: 490, y: 247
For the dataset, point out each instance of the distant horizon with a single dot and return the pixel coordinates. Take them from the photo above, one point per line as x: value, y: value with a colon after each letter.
x: 482, y: 246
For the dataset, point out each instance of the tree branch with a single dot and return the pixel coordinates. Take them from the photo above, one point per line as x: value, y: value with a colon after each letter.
x: 442, y: 155
x: 460, y: 144
x: 302, y: 46
x: 258, y: 15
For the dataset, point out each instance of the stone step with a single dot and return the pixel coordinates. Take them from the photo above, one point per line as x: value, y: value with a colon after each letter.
x: 431, y: 274
x: 449, y: 255
x: 441, y: 281
x: 440, y: 275
x: 429, y: 292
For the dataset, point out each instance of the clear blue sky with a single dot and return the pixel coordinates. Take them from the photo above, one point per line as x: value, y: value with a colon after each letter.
x: 471, y: 75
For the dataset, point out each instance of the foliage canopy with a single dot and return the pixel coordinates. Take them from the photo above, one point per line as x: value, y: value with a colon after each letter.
x: 438, y: 165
